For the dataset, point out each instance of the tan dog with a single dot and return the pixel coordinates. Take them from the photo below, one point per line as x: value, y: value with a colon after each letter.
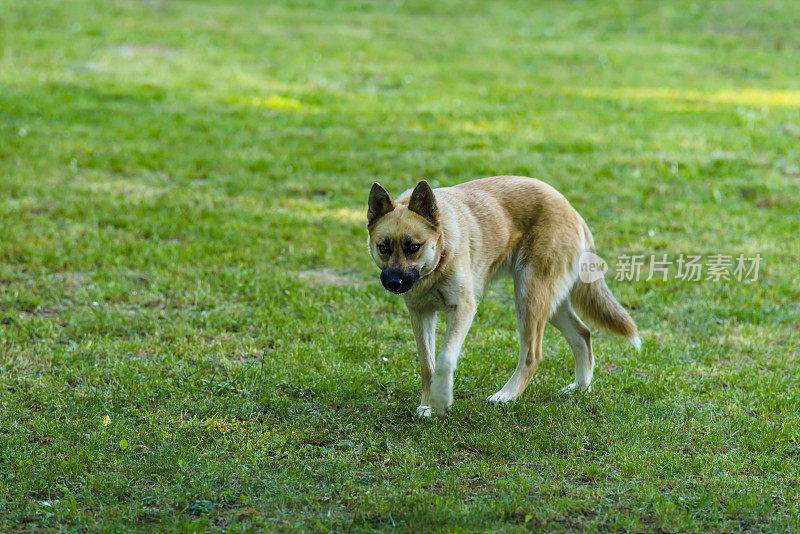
x: 439, y: 249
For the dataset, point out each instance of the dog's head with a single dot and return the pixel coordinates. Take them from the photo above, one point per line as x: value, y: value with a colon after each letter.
x: 405, y: 240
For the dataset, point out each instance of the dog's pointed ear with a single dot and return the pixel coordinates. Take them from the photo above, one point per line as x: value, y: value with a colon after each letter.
x: 423, y: 203
x: 380, y: 203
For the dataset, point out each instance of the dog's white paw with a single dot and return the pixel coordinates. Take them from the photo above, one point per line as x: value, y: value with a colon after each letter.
x: 424, y: 412
x: 441, y: 396
x: 572, y: 388
x: 440, y: 406
x: 501, y: 397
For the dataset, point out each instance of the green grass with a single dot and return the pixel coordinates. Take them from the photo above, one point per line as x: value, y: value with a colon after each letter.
x: 192, y: 336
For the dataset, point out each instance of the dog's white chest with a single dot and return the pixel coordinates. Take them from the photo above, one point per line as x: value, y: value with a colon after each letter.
x: 441, y: 297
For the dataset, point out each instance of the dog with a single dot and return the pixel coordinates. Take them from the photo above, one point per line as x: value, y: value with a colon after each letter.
x: 439, y: 248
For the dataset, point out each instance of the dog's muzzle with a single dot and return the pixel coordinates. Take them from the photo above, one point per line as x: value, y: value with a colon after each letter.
x: 399, y: 280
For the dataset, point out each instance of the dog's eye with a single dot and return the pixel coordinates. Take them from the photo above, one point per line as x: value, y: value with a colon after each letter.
x: 411, y: 249
x: 383, y: 248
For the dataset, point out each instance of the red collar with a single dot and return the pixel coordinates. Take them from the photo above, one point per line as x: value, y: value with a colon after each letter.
x: 441, y: 259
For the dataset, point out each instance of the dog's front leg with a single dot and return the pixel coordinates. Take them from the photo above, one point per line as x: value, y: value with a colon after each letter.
x: 458, y: 323
x: 424, y: 325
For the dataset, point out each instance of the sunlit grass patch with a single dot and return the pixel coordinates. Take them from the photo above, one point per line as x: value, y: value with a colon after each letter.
x: 730, y: 97
x: 269, y: 102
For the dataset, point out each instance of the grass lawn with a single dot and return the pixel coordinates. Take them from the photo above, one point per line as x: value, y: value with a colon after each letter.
x: 193, y: 338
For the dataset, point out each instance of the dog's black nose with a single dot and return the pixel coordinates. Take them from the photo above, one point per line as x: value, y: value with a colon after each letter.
x: 393, y: 284
x: 398, y: 280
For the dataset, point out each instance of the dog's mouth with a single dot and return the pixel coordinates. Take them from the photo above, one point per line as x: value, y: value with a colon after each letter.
x: 399, y: 280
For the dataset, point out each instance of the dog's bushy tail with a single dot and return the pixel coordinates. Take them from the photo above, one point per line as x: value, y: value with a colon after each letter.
x: 596, y: 302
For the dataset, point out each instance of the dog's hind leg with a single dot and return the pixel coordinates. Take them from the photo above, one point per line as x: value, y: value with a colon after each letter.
x: 533, y: 298
x: 424, y: 326
x: 579, y: 339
